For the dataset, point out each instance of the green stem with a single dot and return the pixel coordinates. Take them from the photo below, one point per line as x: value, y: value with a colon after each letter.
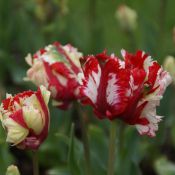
x: 112, y: 148
x: 35, y: 163
x: 121, y: 137
x: 85, y: 145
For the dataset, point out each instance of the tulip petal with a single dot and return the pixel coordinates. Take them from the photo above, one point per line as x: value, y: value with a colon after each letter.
x: 45, y: 93
x: 33, y: 119
x: 16, y: 133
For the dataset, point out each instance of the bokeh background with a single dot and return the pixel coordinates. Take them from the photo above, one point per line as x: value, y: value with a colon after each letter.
x: 91, y: 26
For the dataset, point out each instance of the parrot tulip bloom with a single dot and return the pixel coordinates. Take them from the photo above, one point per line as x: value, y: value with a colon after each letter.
x: 26, y: 118
x: 56, y: 67
x: 128, y: 89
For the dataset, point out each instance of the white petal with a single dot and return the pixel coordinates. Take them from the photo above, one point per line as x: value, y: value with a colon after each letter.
x: 112, y: 90
x: 37, y: 74
x: 8, y: 95
x: 28, y: 59
x: 80, y: 78
x: 93, y: 83
x: 147, y: 63
x: 123, y: 53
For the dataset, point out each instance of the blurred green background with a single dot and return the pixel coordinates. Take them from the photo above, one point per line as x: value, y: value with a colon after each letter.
x: 91, y: 26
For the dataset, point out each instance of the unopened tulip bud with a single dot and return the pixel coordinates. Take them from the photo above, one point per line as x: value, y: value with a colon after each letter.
x: 12, y: 170
x: 169, y: 65
x: 25, y: 117
x: 126, y: 17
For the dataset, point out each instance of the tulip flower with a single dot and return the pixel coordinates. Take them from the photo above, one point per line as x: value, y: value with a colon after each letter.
x: 128, y: 89
x: 12, y: 170
x: 169, y: 65
x: 25, y: 117
x: 126, y: 17
x: 56, y: 67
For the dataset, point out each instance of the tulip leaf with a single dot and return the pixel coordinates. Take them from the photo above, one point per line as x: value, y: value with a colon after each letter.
x: 99, y: 147
x: 6, y: 158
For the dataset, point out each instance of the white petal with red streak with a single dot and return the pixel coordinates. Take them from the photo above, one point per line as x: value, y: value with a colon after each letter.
x: 153, y: 99
x: 147, y: 63
x: 91, y: 89
x: 112, y: 90
x: 73, y: 54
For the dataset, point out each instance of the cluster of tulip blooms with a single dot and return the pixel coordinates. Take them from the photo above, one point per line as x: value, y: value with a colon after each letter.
x: 128, y: 89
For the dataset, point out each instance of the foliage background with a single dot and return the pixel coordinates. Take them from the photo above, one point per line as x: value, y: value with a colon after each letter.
x: 91, y: 26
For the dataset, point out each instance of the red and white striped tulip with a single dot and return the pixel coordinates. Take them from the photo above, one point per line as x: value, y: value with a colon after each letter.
x: 128, y: 89
x: 56, y: 67
x: 26, y: 118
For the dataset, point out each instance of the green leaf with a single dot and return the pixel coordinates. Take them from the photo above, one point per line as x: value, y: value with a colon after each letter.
x: 6, y: 158
x: 99, y: 149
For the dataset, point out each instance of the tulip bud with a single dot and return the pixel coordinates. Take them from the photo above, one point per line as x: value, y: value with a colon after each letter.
x: 12, y: 170
x: 169, y: 65
x: 56, y: 67
x: 25, y: 118
x: 126, y: 17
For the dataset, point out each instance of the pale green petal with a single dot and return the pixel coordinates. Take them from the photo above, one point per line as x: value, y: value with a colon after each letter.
x: 15, y: 132
x: 12, y: 170
x: 33, y: 119
x: 45, y: 93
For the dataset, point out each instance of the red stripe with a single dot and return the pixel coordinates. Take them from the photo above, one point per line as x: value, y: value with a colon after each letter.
x: 62, y: 51
x: 44, y: 132
x: 19, y: 118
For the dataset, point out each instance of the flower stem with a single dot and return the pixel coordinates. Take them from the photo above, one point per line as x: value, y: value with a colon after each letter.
x: 35, y: 163
x: 85, y: 145
x: 112, y: 148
